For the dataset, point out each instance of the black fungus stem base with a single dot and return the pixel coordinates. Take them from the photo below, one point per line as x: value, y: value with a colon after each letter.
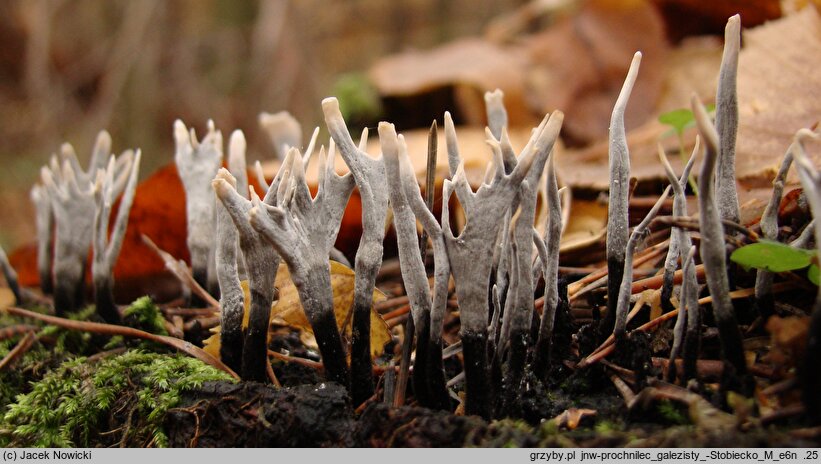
x: 201, y: 277
x: 736, y: 378
x: 420, y: 364
x: 477, y: 387
x: 231, y: 347
x: 404, y: 364
x: 330, y: 347
x: 691, y: 348
x: 437, y: 385
x: 615, y: 272
x: 105, y: 305
x: 254, y: 350
x: 67, y: 298
x: 361, y: 371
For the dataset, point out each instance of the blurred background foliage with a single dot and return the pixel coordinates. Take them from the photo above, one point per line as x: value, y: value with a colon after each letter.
x: 71, y: 68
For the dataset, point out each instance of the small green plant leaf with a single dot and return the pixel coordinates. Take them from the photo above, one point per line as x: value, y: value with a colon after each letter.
x: 680, y: 119
x: 772, y: 256
x: 813, y: 274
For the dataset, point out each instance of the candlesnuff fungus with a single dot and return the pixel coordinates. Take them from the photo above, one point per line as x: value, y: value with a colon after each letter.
x: 71, y: 194
x: 549, y: 257
x: 680, y: 248
x: 519, y: 304
x: 427, y: 310
x: 727, y: 122
x: 197, y: 163
x: 232, y: 299
x: 617, y: 205
x: 471, y: 252
x: 303, y: 230
x: 44, y: 221
x: 809, y: 374
x: 713, y: 255
x: 688, y: 337
x: 679, y: 211
x: 227, y: 259
x: 284, y: 131
x: 627, y: 276
x: 106, y: 249
x: 262, y: 263
x: 369, y: 174
x: 769, y: 229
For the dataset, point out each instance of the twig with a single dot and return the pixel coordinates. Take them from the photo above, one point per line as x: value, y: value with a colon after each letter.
x: 181, y: 272
x: 110, y: 329
x: 18, y: 350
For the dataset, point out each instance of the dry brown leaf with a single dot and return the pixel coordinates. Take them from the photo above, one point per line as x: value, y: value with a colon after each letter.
x: 789, y: 339
x: 571, y: 418
x: 472, y: 65
x: 586, y: 226
x: 6, y: 297
x: 697, y: 17
x: 287, y: 310
x: 779, y: 92
x: 601, y: 39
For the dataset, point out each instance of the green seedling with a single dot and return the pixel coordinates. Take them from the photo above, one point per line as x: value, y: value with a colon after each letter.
x: 680, y: 120
x: 777, y: 257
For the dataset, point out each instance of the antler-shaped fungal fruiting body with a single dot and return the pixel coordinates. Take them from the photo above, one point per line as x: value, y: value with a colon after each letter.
x: 72, y: 203
x: 809, y: 374
x: 284, y: 131
x: 197, y: 164
x: 680, y: 248
x: 369, y: 174
x: 727, y: 122
x: 549, y: 257
x: 679, y: 211
x: 121, y: 173
x: 44, y: 220
x: 520, y: 308
x: 232, y: 299
x: 407, y: 205
x: 769, y: 229
x: 303, y: 231
x: 471, y: 252
x: 626, y: 287
x: 262, y: 263
x: 713, y: 251
x: 617, y: 206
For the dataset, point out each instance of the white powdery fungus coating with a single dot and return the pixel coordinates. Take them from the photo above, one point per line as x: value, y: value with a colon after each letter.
x: 197, y: 164
x: 727, y: 122
x: 120, y: 176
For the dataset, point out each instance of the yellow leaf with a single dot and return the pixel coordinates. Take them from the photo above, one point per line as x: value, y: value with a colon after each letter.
x: 6, y: 297
x: 287, y: 310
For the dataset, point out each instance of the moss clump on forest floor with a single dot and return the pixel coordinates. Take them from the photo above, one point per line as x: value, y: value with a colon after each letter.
x: 121, y: 399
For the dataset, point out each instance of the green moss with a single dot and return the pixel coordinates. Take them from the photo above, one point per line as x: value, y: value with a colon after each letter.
x: 672, y: 413
x: 143, y: 314
x: 77, y: 402
x: 606, y: 426
x: 71, y: 341
x: 358, y: 99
